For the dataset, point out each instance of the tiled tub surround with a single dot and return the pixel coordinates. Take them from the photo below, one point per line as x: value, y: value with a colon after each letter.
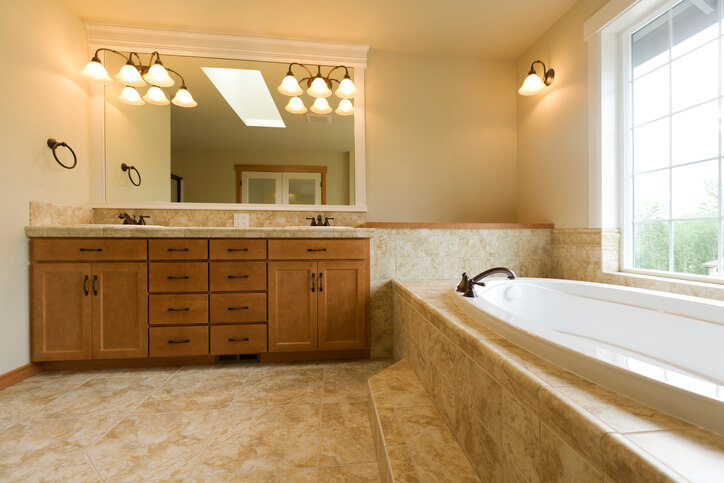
x: 520, y: 418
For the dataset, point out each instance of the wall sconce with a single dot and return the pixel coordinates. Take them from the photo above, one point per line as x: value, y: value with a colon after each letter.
x: 134, y: 74
x: 534, y: 84
x: 319, y: 87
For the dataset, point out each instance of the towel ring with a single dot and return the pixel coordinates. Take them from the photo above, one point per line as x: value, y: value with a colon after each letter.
x: 126, y: 168
x: 53, y: 144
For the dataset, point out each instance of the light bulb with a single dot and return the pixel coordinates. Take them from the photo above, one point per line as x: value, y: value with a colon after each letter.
x: 346, y: 89
x: 321, y: 106
x: 183, y: 98
x: 130, y: 95
x: 157, y: 75
x: 290, y: 86
x: 130, y: 76
x: 532, y: 85
x: 156, y: 96
x: 319, y: 88
x: 295, y: 106
x: 95, y: 71
x: 345, y: 108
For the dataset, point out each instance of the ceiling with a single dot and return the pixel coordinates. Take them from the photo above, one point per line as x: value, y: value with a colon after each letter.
x: 493, y: 29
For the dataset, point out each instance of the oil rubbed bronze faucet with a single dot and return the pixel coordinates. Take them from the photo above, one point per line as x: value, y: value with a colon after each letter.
x: 466, y: 285
x: 318, y: 221
x: 131, y: 220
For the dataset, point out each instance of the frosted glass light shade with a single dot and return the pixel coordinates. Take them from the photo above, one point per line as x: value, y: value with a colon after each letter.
x: 130, y: 76
x: 183, y: 98
x: 157, y: 75
x: 346, y: 89
x: 295, y: 106
x: 319, y: 88
x: 321, y: 106
x: 129, y: 95
x: 290, y: 87
x: 95, y: 71
x: 156, y: 96
x: 532, y: 85
x: 345, y: 108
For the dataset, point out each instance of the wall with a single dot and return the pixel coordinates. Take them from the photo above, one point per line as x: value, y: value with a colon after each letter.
x: 43, y: 47
x: 210, y: 177
x: 441, y: 139
x: 553, y: 127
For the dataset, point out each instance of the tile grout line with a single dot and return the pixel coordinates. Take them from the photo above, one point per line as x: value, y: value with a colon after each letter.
x: 319, y: 428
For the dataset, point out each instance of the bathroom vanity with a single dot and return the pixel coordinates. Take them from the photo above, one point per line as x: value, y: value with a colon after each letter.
x: 169, y: 295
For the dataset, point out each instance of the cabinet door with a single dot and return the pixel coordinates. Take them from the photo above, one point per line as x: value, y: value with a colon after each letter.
x: 342, y: 301
x: 292, y: 306
x: 60, y: 311
x: 120, y: 310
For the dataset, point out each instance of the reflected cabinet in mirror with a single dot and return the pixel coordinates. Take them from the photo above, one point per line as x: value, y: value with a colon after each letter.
x: 238, y: 145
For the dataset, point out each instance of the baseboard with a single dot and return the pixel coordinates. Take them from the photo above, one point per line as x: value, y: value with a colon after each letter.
x: 125, y: 363
x: 17, y: 375
x: 313, y: 356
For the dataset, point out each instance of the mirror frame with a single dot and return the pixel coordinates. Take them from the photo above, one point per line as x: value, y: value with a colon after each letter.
x: 233, y: 47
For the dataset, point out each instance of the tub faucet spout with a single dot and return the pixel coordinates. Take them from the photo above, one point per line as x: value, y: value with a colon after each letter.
x: 466, y: 285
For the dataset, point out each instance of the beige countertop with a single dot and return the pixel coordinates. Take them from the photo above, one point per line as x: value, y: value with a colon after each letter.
x: 125, y: 231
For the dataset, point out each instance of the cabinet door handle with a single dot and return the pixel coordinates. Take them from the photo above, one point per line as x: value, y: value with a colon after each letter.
x: 91, y: 249
x: 246, y: 307
x: 182, y: 277
x: 237, y: 249
x: 85, y: 285
x: 184, y: 309
x: 313, y: 282
x: 95, y: 290
x: 185, y: 341
x: 245, y: 339
x: 320, y: 282
x: 177, y: 249
x: 237, y: 276
x: 316, y: 249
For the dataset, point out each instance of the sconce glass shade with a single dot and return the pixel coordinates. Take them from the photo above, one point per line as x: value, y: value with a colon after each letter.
x: 157, y: 75
x: 321, y: 106
x: 345, y: 108
x: 319, y: 88
x: 156, y: 96
x: 295, y: 106
x: 130, y: 76
x: 183, y: 98
x: 129, y: 95
x: 346, y: 89
x: 95, y: 71
x: 290, y: 87
x: 532, y: 85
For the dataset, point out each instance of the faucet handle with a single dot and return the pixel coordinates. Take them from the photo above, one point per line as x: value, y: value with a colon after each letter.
x: 142, y: 219
x: 326, y: 221
x: 314, y: 221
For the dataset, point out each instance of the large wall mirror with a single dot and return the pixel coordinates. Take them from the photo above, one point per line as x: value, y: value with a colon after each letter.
x: 238, y: 146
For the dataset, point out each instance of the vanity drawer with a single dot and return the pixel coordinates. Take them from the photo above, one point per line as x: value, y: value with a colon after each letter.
x: 238, y: 339
x: 238, y: 307
x: 178, y: 309
x: 86, y: 249
x: 178, y: 341
x: 237, y: 276
x: 321, y: 249
x: 237, y: 249
x: 178, y: 277
x: 181, y: 249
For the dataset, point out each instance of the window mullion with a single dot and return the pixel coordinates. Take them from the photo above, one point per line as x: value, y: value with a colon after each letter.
x: 671, y: 149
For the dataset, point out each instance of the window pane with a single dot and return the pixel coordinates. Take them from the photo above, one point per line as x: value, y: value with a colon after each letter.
x: 651, y: 146
x: 262, y: 190
x: 695, y: 134
x: 695, y: 190
x: 693, y: 23
x: 650, y: 46
x: 301, y: 191
x: 651, y: 195
x: 651, y: 96
x: 695, y: 245
x: 651, y: 246
x: 694, y: 77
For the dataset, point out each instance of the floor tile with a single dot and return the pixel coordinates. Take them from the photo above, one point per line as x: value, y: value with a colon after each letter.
x: 292, y: 386
x: 300, y: 475
x: 23, y: 399
x: 347, y: 382
x: 194, y: 391
x: 349, y: 474
x: 346, y: 437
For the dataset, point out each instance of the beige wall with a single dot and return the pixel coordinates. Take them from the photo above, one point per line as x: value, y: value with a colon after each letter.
x: 42, y: 47
x: 441, y: 139
x: 210, y: 177
x: 553, y: 127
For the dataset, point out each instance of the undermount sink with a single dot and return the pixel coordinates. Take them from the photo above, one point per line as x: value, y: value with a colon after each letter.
x: 117, y: 225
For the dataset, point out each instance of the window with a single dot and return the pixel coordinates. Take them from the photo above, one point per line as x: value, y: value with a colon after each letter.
x: 673, y: 187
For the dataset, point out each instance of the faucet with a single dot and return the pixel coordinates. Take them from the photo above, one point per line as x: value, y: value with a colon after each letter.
x: 131, y: 220
x: 318, y: 221
x: 466, y: 285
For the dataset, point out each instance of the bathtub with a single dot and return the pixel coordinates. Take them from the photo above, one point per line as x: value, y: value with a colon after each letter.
x: 664, y: 350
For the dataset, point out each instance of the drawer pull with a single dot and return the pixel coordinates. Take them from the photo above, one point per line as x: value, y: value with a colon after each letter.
x: 313, y: 282
x: 185, y: 341
x: 182, y: 277
x: 91, y: 249
x: 177, y: 249
x: 184, y: 309
x: 316, y: 249
x: 245, y: 339
x: 321, y: 288
x: 237, y: 276
x: 237, y: 249
x: 85, y: 285
x: 238, y: 308
x: 95, y: 290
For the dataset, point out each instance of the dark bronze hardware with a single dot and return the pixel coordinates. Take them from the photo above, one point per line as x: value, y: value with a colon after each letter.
x: 467, y: 285
x: 131, y: 220
x: 316, y: 249
x: 95, y: 279
x: 91, y: 249
x: 183, y: 277
x: 177, y: 249
x: 245, y: 339
x: 238, y: 249
x: 313, y: 281
x: 314, y: 221
x: 238, y: 308
x: 320, y: 282
x: 129, y: 169
x: 185, y: 341
x: 237, y: 276
x: 326, y: 221
x: 184, y: 309
x: 53, y: 144
x: 85, y: 285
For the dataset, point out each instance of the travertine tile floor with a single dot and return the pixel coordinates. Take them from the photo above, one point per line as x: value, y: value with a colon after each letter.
x: 236, y: 422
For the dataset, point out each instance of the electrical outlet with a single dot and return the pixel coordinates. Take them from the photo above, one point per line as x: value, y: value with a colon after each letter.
x: 241, y: 220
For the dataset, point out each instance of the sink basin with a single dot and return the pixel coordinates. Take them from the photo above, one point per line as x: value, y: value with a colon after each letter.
x: 117, y: 225
x: 307, y: 227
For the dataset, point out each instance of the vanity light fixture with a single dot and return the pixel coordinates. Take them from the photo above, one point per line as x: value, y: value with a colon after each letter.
x: 534, y: 83
x: 319, y: 87
x: 135, y: 74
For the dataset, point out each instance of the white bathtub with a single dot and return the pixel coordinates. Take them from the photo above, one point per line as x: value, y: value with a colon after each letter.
x: 662, y: 349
